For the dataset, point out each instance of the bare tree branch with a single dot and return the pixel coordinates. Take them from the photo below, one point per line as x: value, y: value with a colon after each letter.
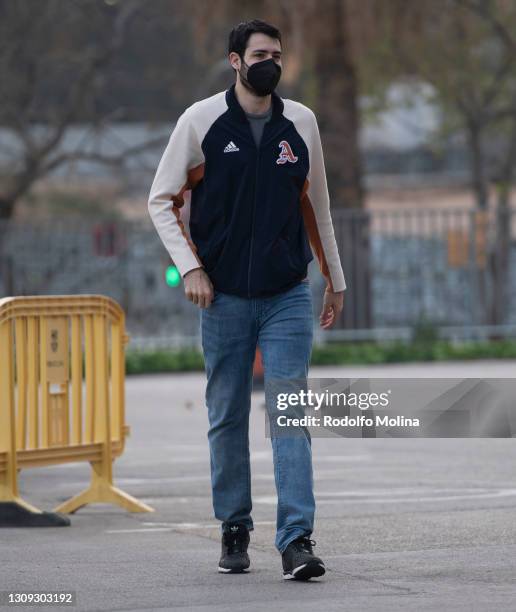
x: 111, y: 160
x: 98, y: 60
x: 22, y: 59
x: 485, y: 10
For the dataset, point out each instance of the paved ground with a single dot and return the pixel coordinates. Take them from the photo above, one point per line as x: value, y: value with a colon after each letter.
x: 419, y: 524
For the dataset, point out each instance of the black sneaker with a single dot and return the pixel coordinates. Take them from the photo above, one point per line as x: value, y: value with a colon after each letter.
x: 299, y: 561
x: 234, y: 558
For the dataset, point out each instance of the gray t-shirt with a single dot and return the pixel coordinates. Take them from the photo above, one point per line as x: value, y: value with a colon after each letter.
x: 257, y: 123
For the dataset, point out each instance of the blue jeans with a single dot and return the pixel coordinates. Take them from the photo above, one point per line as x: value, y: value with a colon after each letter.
x: 231, y: 328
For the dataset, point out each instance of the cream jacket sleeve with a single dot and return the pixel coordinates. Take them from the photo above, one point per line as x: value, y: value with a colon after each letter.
x: 180, y: 169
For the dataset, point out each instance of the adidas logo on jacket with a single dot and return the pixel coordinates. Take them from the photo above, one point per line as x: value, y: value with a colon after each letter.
x: 257, y: 213
x: 231, y: 147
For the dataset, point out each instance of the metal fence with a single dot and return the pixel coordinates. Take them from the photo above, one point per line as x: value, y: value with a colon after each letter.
x: 454, y: 269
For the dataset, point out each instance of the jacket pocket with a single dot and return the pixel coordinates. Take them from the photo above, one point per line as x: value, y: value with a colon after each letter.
x: 214, y: 254
x: 287, y: 256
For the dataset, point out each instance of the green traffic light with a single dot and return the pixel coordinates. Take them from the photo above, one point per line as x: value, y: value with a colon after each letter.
x: 172, y: 276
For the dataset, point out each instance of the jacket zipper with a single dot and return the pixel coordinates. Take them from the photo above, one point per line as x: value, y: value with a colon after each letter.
x: 253, y: 213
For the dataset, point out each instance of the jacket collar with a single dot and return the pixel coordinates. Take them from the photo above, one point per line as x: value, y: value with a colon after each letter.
x: 239, y: 113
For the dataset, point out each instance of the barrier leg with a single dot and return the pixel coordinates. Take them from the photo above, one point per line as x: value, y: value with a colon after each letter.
x: 102, y: 491
x: 14, y: 511
x: 9, y: 497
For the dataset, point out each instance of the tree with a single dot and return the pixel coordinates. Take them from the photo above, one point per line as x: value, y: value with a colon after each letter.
x: 53, y: 73
x: 466, y: 50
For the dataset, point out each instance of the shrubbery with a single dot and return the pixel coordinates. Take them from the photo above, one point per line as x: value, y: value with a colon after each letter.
x: 422, y: 348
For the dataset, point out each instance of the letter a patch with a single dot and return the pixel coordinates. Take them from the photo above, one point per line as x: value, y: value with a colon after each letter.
x: 286, y: 154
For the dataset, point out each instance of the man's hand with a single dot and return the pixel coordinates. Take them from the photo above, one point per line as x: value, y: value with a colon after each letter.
x: 198, y: 287
x: 332, y: 307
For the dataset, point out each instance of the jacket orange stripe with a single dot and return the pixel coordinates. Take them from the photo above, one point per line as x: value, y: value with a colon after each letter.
x: 313, y: 234
x: 195, y: 175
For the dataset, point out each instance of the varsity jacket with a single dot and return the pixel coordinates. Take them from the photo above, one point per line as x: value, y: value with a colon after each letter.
x: 257, y: 214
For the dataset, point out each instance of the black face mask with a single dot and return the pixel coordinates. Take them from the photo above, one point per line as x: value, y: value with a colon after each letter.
x: 262, y: 77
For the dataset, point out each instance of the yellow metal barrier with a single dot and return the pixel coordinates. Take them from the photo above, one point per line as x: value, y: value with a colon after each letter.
x: 47, y: 415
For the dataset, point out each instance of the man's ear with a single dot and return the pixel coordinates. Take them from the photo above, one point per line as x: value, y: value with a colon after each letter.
x: 235, y: 61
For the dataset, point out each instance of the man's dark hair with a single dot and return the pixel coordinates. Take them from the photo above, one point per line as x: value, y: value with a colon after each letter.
x: 240, y: 34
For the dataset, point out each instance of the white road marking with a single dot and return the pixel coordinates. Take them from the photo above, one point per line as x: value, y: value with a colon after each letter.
x: 372, y: 496
x: 360, y: 497
x: 256, y: 456
x: 146, y: 530
x: 320, y: 475
x: 153, y: 527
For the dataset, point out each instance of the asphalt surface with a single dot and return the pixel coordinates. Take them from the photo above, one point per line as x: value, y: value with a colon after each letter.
x: 418, y: 524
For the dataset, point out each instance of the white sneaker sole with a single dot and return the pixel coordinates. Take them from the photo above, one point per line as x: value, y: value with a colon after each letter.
x: 226, y: 570
x: 306, y: 571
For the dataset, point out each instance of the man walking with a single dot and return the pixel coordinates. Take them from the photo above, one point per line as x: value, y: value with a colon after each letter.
x: 253, y: 163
